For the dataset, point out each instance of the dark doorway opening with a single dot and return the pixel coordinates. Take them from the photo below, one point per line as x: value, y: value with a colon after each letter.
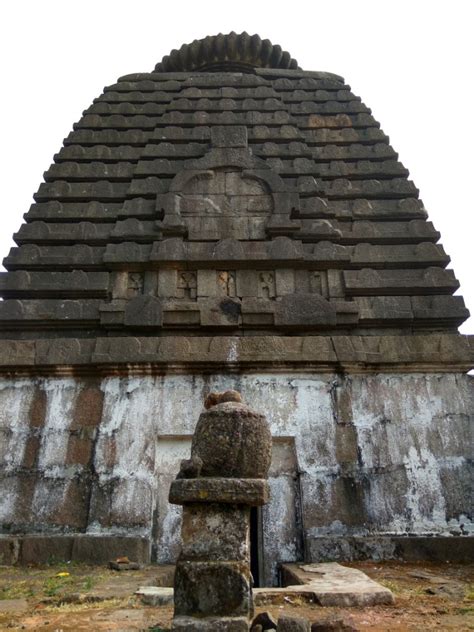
x: 256, y: 549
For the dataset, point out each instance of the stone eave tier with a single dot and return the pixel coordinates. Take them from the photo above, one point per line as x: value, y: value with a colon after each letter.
x: 260, y: 203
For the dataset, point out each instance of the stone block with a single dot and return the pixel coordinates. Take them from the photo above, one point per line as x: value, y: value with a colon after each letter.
x: 293, y: 624
x: 304, y: 310
x: 336, y: 585
x: 126, y: 252
x: 71, y: 511
x: 377, y: 309
x: 210, y: 624
x: 207, y: 283
x: 144, y: 311
x: 228, y: 250
x: 9, y: 551
x: 156, y: 595
x: 167, y: 283
x: 252, y: 492
x: 181, y: 314
x: 284, y: 281
x: 64, y: 351
x: 247, y: 283
x: 124, y: 566
x: 17, y: 352
x: 265, y: 621
x: 455, y: 549
x: 46, y: 549
x: 229, y: 136
x: 216, y: 532
x: 451, y: 308
x: 233, y: 441
x: 284, y: 249
x: 79, y: 449
x: 101, y: 549
x: 334, y: 623
x: 13, y: 606
x: 88, y: 409
x: 212, y: 589
x: 220, y: 312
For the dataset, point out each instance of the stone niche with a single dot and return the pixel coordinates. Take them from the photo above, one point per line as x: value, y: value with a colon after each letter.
x: 225, y: 203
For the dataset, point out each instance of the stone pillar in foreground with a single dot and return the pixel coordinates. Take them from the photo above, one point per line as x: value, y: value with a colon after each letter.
x: 226, y: 475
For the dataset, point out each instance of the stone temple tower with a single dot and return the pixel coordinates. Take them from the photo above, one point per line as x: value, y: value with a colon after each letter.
x: 230, y: 221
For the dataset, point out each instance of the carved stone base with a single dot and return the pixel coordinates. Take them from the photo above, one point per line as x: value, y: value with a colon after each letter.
x: 205, y: 589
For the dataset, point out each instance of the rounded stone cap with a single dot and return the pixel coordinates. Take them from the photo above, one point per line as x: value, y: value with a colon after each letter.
x: 232, y: 441
x: 228, y: 53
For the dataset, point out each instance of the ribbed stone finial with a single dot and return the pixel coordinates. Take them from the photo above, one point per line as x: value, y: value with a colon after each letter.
x: 231, y: 52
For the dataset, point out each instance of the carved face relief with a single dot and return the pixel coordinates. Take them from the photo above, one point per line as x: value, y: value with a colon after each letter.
x: 226, y: 282
x: 187, y: 284
x: 135, y: 284
x: 266, y: 284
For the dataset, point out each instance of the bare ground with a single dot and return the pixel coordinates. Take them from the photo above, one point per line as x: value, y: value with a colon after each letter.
x: 427, y: 597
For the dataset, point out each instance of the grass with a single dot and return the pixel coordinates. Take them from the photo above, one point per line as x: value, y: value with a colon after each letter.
x: 17, y: 590
x: 464, y: 611
x: 54, y: 584
x: 107, y: 604
x: 391, y: 585
x: 89, y: 582
x: 49, y: 586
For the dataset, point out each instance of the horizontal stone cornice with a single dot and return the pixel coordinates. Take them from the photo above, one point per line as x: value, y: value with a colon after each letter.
x: 155, y: 355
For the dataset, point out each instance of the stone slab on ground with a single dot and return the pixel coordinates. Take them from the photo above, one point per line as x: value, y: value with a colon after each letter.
x: 17, y: 606
x: 208, y: 624
x: 335, y: 585
x: 293, y: 624
x: 156, y: 595
x: 334, y: 624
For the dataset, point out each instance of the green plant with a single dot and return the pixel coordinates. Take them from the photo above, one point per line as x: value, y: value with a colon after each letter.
x: 88, y: 583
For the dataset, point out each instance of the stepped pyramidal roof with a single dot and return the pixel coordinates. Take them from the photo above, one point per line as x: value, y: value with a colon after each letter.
x: 228, y: 194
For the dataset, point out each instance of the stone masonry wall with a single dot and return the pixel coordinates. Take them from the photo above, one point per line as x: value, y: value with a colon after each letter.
x: 353, y: 455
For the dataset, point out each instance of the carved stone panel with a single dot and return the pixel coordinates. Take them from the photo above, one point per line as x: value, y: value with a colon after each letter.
x: 226, y: 283
x: 187, y: 285
x: 217, y: 204
x: 315, y: 282
x: 135, y: 284
x: 266, y: 284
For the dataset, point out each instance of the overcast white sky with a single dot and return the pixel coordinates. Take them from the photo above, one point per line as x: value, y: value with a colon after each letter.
x: 410, y: 61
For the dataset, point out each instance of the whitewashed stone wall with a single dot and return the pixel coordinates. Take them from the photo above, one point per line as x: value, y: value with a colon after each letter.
x: 354, y: 455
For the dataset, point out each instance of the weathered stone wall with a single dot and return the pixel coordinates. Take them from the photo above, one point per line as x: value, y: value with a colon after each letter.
x: 353, y: 455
